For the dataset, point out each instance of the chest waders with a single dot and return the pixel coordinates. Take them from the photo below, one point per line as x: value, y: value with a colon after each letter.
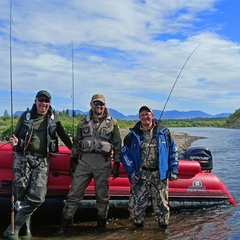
x: 25, y: 209
x: 95, y: 141
x: 95, y: 138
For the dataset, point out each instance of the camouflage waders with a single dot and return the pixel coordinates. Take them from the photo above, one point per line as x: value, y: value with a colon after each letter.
x: 30, y: 188
x: 139, y: 197
x: 30, y: 181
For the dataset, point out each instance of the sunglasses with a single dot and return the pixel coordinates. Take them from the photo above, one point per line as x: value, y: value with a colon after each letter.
x: 46, y: 100
x: 142, y: 115
x: 96, y: 103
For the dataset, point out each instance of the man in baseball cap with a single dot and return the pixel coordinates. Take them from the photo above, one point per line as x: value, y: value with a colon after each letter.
x: 97, y: 144
x: 150, y: 158
x: 33, y: 142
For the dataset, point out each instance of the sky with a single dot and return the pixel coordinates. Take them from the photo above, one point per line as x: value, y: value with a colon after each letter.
x: 181, y: 54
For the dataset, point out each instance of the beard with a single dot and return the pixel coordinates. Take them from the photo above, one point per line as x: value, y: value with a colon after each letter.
x: 98, y: 112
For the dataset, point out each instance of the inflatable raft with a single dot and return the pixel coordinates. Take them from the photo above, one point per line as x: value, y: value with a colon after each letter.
x: 197, y: 187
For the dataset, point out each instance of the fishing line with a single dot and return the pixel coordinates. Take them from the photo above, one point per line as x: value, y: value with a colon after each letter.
x: 178, y: 78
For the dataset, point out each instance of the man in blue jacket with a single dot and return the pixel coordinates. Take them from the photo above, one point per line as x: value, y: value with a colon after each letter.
x: 150, y: 157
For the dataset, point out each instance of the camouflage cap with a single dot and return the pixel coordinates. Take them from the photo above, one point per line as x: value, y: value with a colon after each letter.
x: 98, y: 97
x: 43, y: 93
x: 147, y: 108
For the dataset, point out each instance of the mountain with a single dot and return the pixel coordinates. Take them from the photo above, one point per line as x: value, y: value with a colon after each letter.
x: 116, y: 114
x: 173, y: 114
x: 18, y: 113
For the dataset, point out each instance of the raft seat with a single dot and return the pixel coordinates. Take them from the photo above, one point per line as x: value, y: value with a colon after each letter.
x: 188, y: 168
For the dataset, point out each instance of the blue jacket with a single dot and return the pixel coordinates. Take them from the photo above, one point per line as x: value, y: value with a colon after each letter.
x: 167, y: 149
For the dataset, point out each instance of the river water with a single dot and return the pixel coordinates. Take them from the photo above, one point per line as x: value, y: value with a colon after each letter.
x: 212, y: 224
x: 222, y: 223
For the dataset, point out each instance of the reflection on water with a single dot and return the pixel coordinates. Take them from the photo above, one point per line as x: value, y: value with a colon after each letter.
x: 205, y: 225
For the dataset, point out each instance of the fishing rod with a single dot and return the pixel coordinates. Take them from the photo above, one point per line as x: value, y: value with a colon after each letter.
x: 73, y: 113
x: 178, y: 78
x: 11, y: 87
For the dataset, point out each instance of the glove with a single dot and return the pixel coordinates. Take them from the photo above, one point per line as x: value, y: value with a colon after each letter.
x: 134, y: 178
x: 173, y: 176
x: 73, y: 164
x: 115, y: 171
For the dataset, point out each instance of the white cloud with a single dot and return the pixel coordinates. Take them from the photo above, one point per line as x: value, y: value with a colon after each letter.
x: 131, y: 51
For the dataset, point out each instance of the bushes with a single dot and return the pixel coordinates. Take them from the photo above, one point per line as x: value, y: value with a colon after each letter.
x: 6, y: 132
x: 68, y: 122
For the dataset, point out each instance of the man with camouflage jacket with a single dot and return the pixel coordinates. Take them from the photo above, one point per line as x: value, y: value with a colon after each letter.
x: 150, y: 158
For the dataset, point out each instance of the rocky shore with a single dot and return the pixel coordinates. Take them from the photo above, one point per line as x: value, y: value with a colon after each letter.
x: 183, y: 140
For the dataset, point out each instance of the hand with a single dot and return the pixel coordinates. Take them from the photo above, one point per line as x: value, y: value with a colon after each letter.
x: 115, y: 171
x: 73, y: 165
x: 13, y: 140
x: 134, y: 178
x: 173, y: 176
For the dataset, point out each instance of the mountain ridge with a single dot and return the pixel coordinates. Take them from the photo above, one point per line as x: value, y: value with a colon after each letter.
x: 172, y: 114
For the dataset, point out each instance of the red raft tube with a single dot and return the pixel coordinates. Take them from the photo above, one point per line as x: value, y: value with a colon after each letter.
x: 196, y: 187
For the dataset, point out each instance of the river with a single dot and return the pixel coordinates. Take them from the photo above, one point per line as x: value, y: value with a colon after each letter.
x: 215, y: 224
x: 222, y: 223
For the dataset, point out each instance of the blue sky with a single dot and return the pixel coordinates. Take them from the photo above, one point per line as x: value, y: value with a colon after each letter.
x: 130, y: 50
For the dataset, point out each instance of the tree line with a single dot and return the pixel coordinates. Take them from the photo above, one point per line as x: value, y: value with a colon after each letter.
x: 8, y: 123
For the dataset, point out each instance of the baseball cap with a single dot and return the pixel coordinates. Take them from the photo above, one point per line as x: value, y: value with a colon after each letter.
x: 43, y: 93
x: 98, y: 97
x: 147, y: 108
